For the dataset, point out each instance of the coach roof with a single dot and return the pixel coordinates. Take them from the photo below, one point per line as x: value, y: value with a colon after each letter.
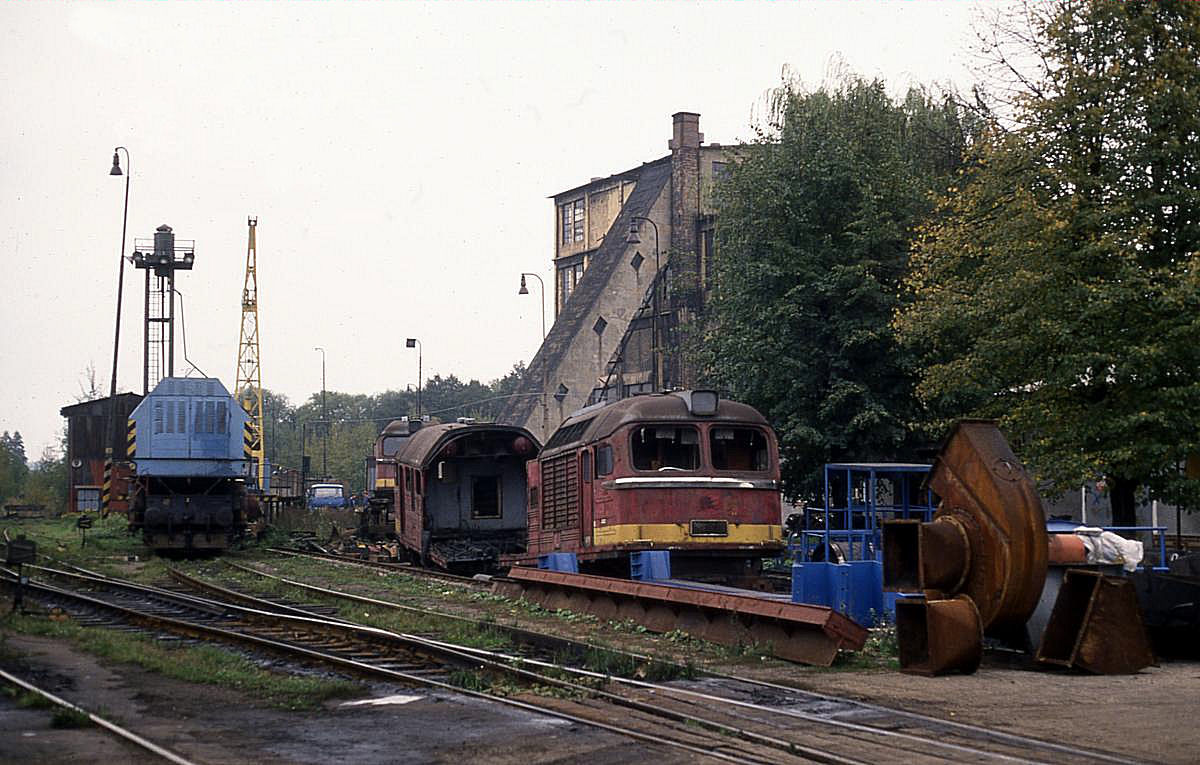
x: 422, y: 448
x: 595, y: 423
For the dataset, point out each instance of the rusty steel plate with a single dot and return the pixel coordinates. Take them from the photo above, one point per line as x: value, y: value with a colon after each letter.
x: 795, y: 631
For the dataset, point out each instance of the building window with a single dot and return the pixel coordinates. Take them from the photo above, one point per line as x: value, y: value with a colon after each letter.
x: 568, y: 279
x: 720, y: 171
x: 637, y: 389
x: 572, y: 221
x: 87, y: 499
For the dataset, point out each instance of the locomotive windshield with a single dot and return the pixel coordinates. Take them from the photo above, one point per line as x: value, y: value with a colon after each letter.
x: 738, y: 449
x: 391, y: 444
x: 665, y: 447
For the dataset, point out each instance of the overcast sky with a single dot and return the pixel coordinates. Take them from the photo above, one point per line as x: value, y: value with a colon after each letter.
x: 398, y: 157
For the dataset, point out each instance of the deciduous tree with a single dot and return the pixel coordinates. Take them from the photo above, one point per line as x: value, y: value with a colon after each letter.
x: 1057, y: 287
x: 814, y: 229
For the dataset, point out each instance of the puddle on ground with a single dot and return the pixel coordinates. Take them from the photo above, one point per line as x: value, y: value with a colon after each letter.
x: 383, y: 701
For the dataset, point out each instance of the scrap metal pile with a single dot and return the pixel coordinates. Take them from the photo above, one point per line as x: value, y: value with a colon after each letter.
x: 980, y: 566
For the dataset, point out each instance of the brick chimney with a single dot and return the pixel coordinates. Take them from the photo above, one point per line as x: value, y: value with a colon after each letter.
x: 685, y: 181
x: 685, y: 254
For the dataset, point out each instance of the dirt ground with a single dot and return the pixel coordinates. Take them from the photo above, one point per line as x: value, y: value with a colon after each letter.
x: 214, y: 725
x: 1149, y: 716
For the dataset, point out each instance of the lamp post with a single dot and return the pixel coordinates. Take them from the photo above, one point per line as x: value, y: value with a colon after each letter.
x: 324, y: 416
x: 525, y: 291
x: 655, y: 350
x: 114, y: 430
x: 413, y: 342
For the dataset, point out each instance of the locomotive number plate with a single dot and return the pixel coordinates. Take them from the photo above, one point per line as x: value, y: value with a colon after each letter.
x: 710, y: 528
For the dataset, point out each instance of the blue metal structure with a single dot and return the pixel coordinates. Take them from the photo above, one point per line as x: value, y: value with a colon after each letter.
x: 187, y: 440
x: 837, y: 552
x: 189, y: 427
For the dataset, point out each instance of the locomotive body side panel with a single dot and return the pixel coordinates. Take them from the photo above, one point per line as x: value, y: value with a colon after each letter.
x: 649, y: 474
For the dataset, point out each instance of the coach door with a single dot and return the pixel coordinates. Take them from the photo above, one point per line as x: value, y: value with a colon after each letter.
x: 586, y: 496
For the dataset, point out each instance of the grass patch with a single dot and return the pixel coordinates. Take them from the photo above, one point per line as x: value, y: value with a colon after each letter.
x: 202, y: 664
x: 31, y: 700
x: 620, y: 664
x: 880, y: 651
x: 69, y: 718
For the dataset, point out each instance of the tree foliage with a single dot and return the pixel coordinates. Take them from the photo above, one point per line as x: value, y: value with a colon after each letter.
x: 14, y: 468
x: 339, y: 442
x: 1057, y: 287
x: 814, y: 230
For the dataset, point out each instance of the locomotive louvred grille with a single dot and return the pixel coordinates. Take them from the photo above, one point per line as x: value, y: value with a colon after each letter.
x: 710, y: 528
x: 560, y: 492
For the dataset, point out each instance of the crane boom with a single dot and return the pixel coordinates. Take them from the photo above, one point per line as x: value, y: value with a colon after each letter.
x: 249, y: 376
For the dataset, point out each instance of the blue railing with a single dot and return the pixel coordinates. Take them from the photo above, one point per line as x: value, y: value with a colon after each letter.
x: 852, y: 531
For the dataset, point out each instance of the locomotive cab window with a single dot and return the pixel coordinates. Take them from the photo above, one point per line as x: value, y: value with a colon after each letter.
x: 665, y: 447
x: 604, y: 459
x: 485, y: 496
x: 738, y: 449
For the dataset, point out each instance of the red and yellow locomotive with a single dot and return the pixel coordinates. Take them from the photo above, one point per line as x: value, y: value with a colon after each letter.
x: 683, y: 471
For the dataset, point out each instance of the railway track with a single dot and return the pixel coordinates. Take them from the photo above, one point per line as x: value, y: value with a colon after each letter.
x: 814, y: 726
x: 406, y: 568
x: 111, y: 727
x: 350, y: 648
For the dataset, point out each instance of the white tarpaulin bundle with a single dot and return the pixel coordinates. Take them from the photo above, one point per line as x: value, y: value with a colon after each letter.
x: 1107, y: 547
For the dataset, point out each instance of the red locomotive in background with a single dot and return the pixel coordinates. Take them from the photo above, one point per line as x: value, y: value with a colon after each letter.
x: 683, y: 471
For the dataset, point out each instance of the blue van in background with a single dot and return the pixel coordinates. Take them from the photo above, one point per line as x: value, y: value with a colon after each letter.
x: 326, y: 495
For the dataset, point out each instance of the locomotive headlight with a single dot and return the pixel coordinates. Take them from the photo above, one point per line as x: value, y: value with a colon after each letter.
x: 704, y: 403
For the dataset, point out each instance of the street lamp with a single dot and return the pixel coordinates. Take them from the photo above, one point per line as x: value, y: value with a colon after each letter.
x: 413, y: 342
x: 324, y: 416
x: 633, y: 238
x: 113, y: 425
x: 525, y: 291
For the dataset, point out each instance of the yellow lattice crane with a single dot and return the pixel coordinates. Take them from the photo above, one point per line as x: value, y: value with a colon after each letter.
x: 249, y: 376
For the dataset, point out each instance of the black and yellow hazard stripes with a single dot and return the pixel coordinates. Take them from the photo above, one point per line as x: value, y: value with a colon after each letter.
x: 130, y: 439
x: 248, y: 440
x: 106, y: 488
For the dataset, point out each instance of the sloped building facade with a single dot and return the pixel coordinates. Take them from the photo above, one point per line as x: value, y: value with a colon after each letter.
x: 620, y: 299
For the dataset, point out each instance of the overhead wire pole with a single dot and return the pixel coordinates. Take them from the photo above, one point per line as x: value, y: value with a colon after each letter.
x: 249, y: 373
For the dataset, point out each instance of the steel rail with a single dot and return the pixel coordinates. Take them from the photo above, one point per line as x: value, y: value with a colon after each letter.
x: 997, y: 735
x: 196, y: 630
x: 387, y: 566
x: 109, y: 726
x: 504, y: 663
x: 541, y: 640
x: 979, y: 731
x: 660, y: 688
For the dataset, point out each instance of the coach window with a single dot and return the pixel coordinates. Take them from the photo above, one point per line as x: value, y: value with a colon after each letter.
x: 585, y: 466
x: 665, y: 447
x: 738, y: 449
x: 604, y: 459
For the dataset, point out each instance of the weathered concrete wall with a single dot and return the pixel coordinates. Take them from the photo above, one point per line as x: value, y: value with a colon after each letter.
x: 578, y: 346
